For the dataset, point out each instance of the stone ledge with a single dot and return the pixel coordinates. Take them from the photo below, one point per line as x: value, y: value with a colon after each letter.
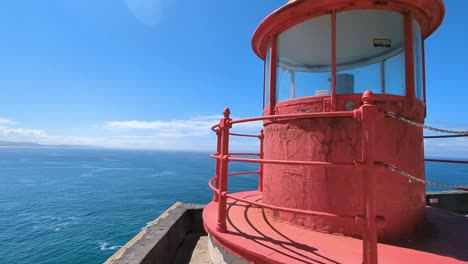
x: 454, y: 201
x: 160, y: 240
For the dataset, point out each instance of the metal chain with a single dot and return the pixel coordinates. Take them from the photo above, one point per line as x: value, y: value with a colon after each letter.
x: 414, y: 123
x: 416, y: 179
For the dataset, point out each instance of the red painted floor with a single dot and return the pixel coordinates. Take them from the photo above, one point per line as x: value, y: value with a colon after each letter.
x: 265, y: 240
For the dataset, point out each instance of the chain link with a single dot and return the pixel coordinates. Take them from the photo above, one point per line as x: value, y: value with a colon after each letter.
x: 414, y: 123
x: 416, y: 179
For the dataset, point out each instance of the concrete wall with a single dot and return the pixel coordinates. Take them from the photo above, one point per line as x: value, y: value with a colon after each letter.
x: 159, y: 242
x: 455, y: 201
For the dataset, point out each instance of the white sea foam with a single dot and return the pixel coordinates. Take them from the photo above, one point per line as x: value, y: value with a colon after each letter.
x: 147, y: 224
x: 105, y: 246
x: 55, y: 162
x: 53, y: 223
x: 94, y: 170
x: 164, y: 173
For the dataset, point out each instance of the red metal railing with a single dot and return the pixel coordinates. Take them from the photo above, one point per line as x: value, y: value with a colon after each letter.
x: 367, y: 114
x: 447, y: 136
x: 447, y: 160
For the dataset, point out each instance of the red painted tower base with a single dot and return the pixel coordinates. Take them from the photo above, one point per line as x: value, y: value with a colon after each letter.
x: 340, y: 190
x: 257, y: 238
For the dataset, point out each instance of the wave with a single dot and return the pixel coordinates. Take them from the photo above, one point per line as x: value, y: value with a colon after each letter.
x: 94, y: 170
x: 53, y: 223
x: 165, y: 173
x: 56, y: 162
x: 105, y: 246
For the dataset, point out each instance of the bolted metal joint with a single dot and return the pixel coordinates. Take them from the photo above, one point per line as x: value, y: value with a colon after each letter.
x: 226, y: 112
x: 225, y: 122
x: 262, y: 134
x: 358, y: 114
x: 368, y: 97
x: 379, y: 220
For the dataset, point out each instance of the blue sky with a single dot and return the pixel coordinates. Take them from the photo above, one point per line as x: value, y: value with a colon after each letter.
x: 158, y: 73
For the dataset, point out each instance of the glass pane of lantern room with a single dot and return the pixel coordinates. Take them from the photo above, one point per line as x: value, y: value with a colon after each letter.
x: 304, y: 60
x: 370, y: 52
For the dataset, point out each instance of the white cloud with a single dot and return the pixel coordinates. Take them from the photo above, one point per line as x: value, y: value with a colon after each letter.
x: 197, y: 126
x: 450, y: 147
x: 6, y: 122
x: 20, y: 134
x: 148, y: 12
x: 17, y: 134
x: 180, y: 134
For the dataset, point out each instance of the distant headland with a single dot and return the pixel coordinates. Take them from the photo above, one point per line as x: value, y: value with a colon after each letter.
x: 35, y: 144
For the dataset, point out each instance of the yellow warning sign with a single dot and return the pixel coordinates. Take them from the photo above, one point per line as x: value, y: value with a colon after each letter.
x: 383, y: 43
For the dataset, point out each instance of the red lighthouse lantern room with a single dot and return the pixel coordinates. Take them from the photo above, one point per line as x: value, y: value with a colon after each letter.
x: 337, y: 73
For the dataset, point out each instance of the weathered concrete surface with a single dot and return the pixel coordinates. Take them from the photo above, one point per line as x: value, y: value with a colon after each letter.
x: 201, y: 253
x: 219, y: 255
x: 455, y: 201
x: 160, y: 241
x: 193, y: 250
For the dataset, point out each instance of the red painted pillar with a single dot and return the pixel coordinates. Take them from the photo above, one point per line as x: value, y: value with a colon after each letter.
x: 218, y: 163
x: 333, y: 41
x: 224, y: 126
x: 369, y: 114
x: 260, y: 166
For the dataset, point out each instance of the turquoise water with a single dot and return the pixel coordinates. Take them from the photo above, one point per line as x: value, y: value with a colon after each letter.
x: 81, y: 205
x: 62, y: 205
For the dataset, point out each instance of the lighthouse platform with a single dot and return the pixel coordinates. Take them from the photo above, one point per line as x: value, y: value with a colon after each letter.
x: 259, y: 238
x: 178, y: 236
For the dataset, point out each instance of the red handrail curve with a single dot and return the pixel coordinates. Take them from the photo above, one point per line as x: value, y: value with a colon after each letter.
x: 290, y: 117
x: 286, y: 162
x: 367, y: 114
x: 291, y: 162
x: 243, y: 173
x: 210, y: 184
x: 447, y: 161
x: 243, y: 135
x: 244, y: 154
x: 446, y: 136
x: 289, y: 210
x: 279, y: 208
x: 295, y: 116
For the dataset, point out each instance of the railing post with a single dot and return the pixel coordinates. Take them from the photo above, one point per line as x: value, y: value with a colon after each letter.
x: 260, y: 166
x: 368, y: 114
x: 218, y: 162
x: 224, y: 126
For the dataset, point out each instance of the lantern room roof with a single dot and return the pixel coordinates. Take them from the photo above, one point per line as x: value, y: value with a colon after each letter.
x: 429, y: 14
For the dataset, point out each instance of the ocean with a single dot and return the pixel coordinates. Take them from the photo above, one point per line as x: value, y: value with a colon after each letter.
x: 72, y: 205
